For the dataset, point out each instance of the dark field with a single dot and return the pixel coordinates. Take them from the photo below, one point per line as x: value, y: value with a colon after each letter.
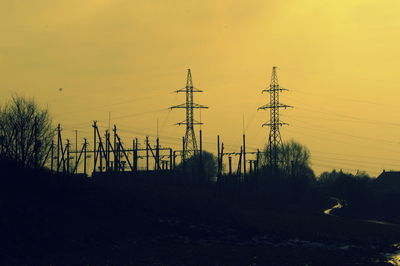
x: 49, y: 219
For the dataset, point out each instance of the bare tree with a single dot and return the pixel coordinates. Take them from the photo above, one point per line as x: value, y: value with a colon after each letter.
x: 26, y: 131
x: 206, y: 166
x: 293, y: 159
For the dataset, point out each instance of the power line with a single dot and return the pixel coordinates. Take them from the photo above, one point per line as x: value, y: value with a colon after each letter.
x: 345, y: 98
x: 363, y: 163
x: 343, y: 134
x: 376, y: 123
x: 323, y: 163
x: 357, y: 156
x: 140, y: 114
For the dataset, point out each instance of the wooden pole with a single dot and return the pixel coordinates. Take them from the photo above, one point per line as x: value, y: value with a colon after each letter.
x: 230, y: 165
x: 170, y: 159
x: 158, y: 154
x: 219, y: 157
x: 147, y: 153
x: 52, y: 156
x: 201, y: 150
x: 68, y: 144
x: 94, y: 147
x: 85, y: 154
x: 244, y: 155
x: 136, y: 155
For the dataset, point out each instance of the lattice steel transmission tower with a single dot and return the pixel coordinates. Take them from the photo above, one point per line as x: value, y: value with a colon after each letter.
x: 275, y: 139
x: 190, y: 143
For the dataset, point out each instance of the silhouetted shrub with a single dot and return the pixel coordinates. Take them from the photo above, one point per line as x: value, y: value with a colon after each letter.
x: 205, y: 166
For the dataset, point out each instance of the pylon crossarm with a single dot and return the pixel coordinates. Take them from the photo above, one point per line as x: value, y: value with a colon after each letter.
x: 269, y: 106
x: 179, y: 106
x: 274, y: 89
x: 196, y: 105
x: 196, y: 89
x: 278, y: 124
x: 184, y: 122
x: 195, y: 122
x: 193, y: 89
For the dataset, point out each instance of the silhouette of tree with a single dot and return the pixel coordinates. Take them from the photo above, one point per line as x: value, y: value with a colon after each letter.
x: 206, y: 166
x: 346, y: 185
x: 26, y: 131
x: 293, y: 160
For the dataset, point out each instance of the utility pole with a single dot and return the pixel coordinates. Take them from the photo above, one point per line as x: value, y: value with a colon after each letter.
x: 274, y: 139
x: 52, y: 156
x: 230, y: 164
x: 201, y: 149
x: 239, y: 169
x: 174, y: 160
x: 136, y: 154
x: 244, y: 156
x: 170, y: 160
x: 221, y: 161
x: 76, y: 151
x: 68, y: 157
x: 94, y: 146
x: 59, y: 147
x: 244, y: 150
x: 183, y: 153
x: 109, y: 149
x: 36, y: 146
x: 116, y: 154
x: 157, y: 164
x: 218, y: 156
x: 147, y: 153
x: 190, y: 148
x: 257, y: 162
x: 85, y: 154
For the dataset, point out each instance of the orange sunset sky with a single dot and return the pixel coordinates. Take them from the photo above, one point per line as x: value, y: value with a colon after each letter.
x: 339, y: 59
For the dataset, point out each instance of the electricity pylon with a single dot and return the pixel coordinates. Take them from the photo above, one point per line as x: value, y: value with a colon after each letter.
x: 275, y: 139
x: 190, y: 143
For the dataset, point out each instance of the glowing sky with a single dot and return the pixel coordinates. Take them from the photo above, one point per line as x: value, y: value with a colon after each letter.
x: 339, y: 59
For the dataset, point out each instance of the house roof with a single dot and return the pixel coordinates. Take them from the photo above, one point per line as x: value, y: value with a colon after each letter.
x: 391, y: 178
x: 389, y: 174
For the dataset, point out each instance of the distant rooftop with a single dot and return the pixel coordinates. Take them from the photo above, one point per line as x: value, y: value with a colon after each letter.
x: 389, y: 174
x: 389, y: 179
